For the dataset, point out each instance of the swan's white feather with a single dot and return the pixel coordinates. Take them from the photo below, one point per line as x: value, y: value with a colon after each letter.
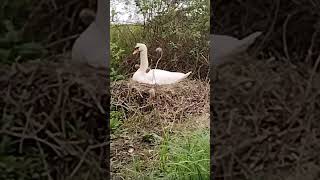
x: 160, y: 77
x: 225, y: 48
x: 154, y: 76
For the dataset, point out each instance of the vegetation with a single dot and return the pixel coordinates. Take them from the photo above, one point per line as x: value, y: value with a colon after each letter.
x: 15, y: 46
x: 183, y: 155
x: 39, y: 30
x: 186, y: 156
x: 35, y: 143
x: 261, y: 93
x: 181, y: 30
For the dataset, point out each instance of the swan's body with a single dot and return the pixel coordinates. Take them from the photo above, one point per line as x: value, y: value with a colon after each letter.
x: 225, y: 48
x: 91, y: 46
x: 161, y: 76
x: 154, y: 76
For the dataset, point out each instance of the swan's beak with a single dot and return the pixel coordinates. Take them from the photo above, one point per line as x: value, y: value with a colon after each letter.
x: 135, y: 51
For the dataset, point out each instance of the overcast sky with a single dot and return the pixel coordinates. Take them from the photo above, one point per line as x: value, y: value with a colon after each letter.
x: 126, y: 12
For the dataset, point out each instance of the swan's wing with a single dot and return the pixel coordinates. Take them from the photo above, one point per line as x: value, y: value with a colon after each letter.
x: 142, y: 78
x: 226, y: 47
x: 223, y: 45
x: 162, y: 77
x: 88, y: 48
x: 247, y: 41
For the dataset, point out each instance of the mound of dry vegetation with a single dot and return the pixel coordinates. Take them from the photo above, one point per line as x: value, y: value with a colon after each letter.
x: 266, y: 112
x: 172, y: 102
x: 266, y: 120
x: 54, y: 116
x: 150, y: 113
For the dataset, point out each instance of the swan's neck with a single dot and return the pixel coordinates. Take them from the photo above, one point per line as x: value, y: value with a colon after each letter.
x: 144, y: 60
x: 101, y: 15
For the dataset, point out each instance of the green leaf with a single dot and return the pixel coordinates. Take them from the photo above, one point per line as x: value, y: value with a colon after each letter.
x: 30, y: 49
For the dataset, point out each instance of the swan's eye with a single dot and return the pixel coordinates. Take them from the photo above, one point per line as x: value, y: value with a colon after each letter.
x: 136, y: 48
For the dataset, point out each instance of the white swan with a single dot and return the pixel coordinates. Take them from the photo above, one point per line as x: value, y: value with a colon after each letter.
x: 225, y: 48
x: 154, y: 76
x: 91, y: 47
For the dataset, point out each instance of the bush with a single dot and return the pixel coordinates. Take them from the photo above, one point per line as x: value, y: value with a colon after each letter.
x: 14, y: 45
x: 181, y: 30
x: 116, y: 56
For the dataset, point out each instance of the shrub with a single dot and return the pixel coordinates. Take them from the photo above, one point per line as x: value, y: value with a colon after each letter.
x: 181, y: 30
x: 116, y: 56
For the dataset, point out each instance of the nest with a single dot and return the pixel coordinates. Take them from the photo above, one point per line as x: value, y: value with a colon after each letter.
x: 53, y: 115
x: 266, y: 120
x: 172, y: 102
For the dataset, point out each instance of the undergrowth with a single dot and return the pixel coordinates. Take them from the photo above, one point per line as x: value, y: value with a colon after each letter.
x: 182, y: 33
x: 116, y: 56
x: 180, y: 156
x: 15, y: 44
x: 186, y: 156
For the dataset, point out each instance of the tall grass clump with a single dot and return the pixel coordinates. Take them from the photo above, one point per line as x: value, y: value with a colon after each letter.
x: 186, y: 157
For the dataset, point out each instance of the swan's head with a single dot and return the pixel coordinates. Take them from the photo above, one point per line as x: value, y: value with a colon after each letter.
x: 139, y: 48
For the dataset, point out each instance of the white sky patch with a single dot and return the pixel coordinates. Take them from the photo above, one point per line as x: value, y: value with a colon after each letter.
x: 126, y: 12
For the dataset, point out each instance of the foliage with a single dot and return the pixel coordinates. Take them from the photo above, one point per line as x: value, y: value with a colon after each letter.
x: 126, y: 35
x: 121, y: 46
x: 181, y: 29
x: 15, y: 11
x: 186, y: 157
x: 21, y: 167
x: 14, y: 46
x: 116, y: 56
x: 115, y: 119
x: 179, y: 157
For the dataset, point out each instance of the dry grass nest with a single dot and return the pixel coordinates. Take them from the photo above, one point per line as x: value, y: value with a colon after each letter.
x: 172, y: 102
x: 266, y: 120
x: 171, y: 107
x: 53, y: 121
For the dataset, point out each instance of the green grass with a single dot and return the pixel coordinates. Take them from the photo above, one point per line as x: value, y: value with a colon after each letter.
x: 185, y: 157
x: 115, y: 120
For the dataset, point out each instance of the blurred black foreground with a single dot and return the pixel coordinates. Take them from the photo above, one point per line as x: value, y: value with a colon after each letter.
x: 263, y: 127
x: 54, y: 114
x: 265, y: 107
x: 54, y: 123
